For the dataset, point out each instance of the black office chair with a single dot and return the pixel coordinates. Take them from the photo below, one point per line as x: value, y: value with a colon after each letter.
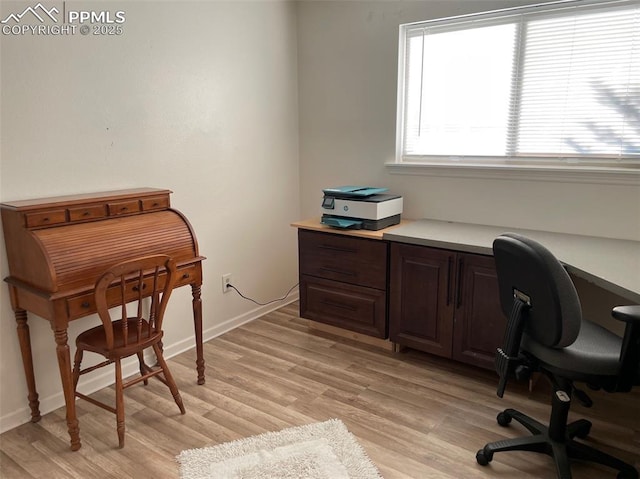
x: 546, y: 333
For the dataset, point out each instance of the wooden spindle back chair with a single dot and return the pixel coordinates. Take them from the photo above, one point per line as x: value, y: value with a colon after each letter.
x: 131, y: 281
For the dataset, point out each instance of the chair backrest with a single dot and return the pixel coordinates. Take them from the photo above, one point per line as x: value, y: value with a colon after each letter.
x: 529, y: 270
x: 133, y: 281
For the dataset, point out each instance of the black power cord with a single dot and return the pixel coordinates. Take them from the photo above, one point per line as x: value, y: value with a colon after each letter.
x: 229, y: 285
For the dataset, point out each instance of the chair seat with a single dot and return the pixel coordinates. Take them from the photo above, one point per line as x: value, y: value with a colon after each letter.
x: 596, y: 351
x: 95, y: 339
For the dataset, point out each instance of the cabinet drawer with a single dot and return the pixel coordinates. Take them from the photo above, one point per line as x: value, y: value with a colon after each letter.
x: 347, y: 306
x: 351, y: 260
x: 46, y: 218
x: 87, y: 213
x: 124, y: 207
x: 155, y: 203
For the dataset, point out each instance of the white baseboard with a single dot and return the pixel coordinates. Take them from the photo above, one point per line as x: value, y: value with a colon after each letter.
x: 105, y: 379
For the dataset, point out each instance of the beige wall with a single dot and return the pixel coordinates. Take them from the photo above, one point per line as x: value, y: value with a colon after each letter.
x: 197, y: 97
x: 246, y: 110
x: 347, y: 70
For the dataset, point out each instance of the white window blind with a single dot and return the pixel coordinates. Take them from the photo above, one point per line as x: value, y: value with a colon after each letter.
x: 557, y: 82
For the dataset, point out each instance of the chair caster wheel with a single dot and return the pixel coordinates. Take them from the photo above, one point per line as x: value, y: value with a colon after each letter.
x: 584, y: 431
x: 483, y: 458
x: 503, y: 419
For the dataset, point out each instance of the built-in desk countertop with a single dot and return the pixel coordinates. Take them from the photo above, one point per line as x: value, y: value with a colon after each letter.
x: 611, y: 264
x: 314, y: 224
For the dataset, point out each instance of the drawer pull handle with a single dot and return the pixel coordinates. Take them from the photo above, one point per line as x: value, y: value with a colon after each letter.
x: 337, y: 271
x: 337, y: 248
x: 85, y: 304
x: 460, y: 272
x: 136, y: 288
x: 339, y: 305
x: 44, y: 220
x: 155, y: 204
x: 124, y: 208
x: 449, y: 279
x: 185, y: 276
x: 86, y: 213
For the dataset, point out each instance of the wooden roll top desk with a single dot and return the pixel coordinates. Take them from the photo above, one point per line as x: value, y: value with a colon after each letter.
x: 58, y: 247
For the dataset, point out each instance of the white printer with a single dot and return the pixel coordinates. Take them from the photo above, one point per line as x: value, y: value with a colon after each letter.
x: 360, y: 207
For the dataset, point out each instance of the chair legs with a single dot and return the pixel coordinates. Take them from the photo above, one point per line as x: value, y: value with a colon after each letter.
x: 120, y: 386
x: 561, y: 449
x: 170, y: 382
x: 142, y: 366
x: 76, y: 368
x: 119, y: 404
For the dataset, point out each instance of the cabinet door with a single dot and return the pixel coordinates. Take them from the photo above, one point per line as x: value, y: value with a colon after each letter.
x: 421, y: 298
x: 479, y: 321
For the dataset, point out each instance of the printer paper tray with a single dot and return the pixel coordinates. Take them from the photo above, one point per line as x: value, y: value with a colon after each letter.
x: 359, y: 224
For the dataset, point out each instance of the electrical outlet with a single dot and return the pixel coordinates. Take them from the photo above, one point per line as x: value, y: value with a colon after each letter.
x: 226, y: 281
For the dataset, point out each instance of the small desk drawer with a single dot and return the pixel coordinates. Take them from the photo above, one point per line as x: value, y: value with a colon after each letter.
x: 191, y: 274
x: 85, y: 304
x: 155, y: 203
x: 87, y: 213
x: 81, y: 306
x: 46, y: 218
x: 124, y: 208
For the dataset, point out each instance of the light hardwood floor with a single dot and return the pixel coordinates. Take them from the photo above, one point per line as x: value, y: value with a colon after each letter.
x: 416, y: 416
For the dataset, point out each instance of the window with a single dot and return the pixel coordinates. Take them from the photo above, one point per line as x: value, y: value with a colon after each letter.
x: 555, y: 84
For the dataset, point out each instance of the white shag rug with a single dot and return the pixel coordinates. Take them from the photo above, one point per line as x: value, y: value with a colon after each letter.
x: 325, y: 450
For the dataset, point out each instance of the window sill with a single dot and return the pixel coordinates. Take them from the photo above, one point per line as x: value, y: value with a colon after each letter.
x: 563, y: 174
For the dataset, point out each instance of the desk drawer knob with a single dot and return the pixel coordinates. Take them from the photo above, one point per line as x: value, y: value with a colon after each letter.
x: 185, y: 275
x: 85, y: 304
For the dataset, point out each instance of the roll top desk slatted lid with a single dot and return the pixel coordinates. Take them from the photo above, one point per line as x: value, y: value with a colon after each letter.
x: 58, y: 247
x: 65, y: 243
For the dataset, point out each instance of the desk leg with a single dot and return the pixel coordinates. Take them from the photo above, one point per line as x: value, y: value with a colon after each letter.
x: 27, y: 361
x: 197, y: 321
x: 64, y: 362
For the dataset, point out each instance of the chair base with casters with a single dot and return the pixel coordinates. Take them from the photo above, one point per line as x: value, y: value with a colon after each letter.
x: 556, y: 440
x: 546, y: 333
x: 149, y: 277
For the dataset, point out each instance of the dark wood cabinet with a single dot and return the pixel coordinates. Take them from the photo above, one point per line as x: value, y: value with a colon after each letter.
x: 479, y: 323
x: 440, y: 301
x: 343, y: 281
x: 421, y: 298
x: 445, y: 302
